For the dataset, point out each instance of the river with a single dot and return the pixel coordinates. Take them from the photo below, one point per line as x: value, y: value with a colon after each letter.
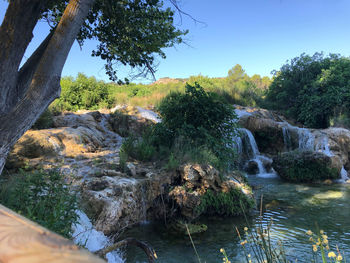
x: 295, y: 208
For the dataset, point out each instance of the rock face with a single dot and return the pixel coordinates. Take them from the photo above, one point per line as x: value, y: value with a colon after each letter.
x: 305, y: 166
x: 129, y: 121
x: 120, y: 201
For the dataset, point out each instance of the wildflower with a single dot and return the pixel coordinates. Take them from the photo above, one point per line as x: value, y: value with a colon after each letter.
x: 222, y: 250
x: 339, y: 258
x: 324, y: 236
x: 314, y: 248
x: 331, y: 254
x: 244, y: 242
x: 327, y: 247
x: 309, y: 232
x: 325, y: 242
x: 311, y: 239
x: 245, y: 229
x: 248, y: 255
x: 321, y: 232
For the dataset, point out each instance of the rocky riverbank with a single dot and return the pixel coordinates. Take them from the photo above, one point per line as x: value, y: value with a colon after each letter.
x: 84, y: 146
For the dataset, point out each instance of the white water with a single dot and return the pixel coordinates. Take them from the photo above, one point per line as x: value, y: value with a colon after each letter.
x: 148, y: 114
x: 84, y: 234
x: 306, y: 139
x: 252, y: 150
x: 323, y: 146
x: 286, y: 139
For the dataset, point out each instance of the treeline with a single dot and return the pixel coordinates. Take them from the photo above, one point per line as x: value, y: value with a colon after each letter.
x: 313, y: 90
x: 85, y: 92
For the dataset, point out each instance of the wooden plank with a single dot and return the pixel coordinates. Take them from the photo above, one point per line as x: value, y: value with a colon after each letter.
x: 22, y: 240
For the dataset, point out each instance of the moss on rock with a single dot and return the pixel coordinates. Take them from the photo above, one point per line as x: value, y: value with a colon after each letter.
x: 305, y: 166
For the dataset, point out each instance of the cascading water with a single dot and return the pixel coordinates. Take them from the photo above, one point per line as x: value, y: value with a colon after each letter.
x: 323, y: 146
x: 247, y: 145
x: 84, y: 234
x: 306, y: 139
x: 286, y: 139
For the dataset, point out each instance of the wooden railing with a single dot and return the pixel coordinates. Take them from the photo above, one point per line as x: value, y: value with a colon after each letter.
x: 22, y: 240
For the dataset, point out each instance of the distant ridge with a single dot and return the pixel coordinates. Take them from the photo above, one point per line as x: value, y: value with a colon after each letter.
x: 167, y: 80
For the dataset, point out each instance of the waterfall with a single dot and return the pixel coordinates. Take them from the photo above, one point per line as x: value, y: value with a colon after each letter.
x: 248, y: 146
x: 322, y: 146
x: 306, y: 139
x: 286, y: 139
x: 344, y: 175
x: 84, y: 234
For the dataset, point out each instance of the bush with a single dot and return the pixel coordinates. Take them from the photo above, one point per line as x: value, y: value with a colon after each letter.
x: 42, y: 197
x: 202, y: 120
x: 196, y: 126
x: 232, y: 203
x: 45, y: 121
x: 312, y: 89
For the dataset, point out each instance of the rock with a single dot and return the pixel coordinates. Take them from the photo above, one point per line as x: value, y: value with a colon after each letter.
x: 305, y: 166
x: 179, y: 227
x: 127, y: 121
x: 252, y: 167
x: 195, y: 182
x: 131, y: 169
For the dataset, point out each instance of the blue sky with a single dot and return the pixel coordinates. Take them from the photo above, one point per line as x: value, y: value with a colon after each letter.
x: 258, y: 34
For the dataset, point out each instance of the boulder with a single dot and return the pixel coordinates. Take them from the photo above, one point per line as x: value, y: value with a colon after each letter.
x: 305, y: 166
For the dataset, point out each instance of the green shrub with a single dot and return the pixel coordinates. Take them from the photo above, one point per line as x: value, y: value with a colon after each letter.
x: 229, y: 204
x: 311, y: 89
x: 45, y: 121
x: 42, y: 197
x: 201, y: 120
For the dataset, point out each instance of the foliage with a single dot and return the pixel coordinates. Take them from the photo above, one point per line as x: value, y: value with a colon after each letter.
x: 42, y: 197
x: 129, y: 32
x: 258, y: 246
x: 196, y: 126
x: 232, y: 203
x: 312, y: 89
x: 82, y: 93
x: 201, y: 119
x: 45, y: 121
x: 85, y: 92
x: 302, y: 166
x: 139, y: 148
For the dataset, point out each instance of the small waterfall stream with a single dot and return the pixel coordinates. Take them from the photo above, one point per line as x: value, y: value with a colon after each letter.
x: 246, y: 145
x: 84, y: 234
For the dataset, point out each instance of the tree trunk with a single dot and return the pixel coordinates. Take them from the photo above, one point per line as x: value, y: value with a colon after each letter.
x: 41, y: 77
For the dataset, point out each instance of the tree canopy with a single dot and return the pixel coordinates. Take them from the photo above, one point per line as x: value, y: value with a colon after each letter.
x: 312, y: 89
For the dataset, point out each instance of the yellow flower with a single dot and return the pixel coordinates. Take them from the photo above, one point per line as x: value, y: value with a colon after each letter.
x: 325, y: 242
x: 245, y: 229
x: 248, y: 255
x: 331, y: 254
x: 339, y: 258
x: 244, y: 242
x: 321, y: 232
x: 309, y: 232
x: 324, y: 237
x: 222, y: 250
x: 314, y: 248
x: 311, y: 239
x: 327, y: 247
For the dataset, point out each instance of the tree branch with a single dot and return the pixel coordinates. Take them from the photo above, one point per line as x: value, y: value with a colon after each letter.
x: 15, y: 34
x: 151, y: 254
x: 27, y: 71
